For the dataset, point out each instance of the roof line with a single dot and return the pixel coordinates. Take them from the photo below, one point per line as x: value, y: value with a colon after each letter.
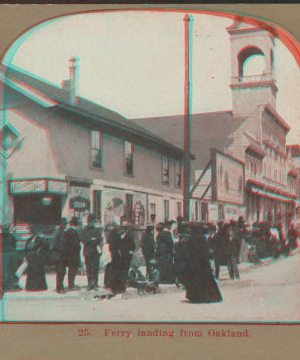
x: 140, y: 132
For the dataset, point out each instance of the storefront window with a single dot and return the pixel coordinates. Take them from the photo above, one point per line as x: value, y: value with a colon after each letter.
x: 128, y: 158
x: 96, y: 149
x: 32, y: 209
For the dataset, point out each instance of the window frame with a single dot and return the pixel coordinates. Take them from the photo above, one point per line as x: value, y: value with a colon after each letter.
x: 168, y: 163
x: 178, y: 163
x: 95, y: 205
x: 166, y: 209
x: 6, y: 151
x: 92, y: 166
x: 132, y: 160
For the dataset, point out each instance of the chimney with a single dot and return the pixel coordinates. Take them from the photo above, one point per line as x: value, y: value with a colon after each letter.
x: 71, y: 85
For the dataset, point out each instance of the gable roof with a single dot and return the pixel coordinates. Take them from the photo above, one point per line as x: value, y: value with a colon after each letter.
x: 99, y: 113
x: 209, y: 130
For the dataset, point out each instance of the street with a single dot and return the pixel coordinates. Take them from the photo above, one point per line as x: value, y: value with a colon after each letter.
x: 267, y: 293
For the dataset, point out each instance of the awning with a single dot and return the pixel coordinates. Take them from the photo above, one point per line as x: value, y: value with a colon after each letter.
x: 35, y: 186
x: 271, y: 195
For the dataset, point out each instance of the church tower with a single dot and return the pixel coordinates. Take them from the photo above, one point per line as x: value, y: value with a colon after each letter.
x: 248, y: 92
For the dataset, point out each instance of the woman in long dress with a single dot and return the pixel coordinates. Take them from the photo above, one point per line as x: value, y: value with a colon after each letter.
x: 165, y: 255
x: 36, y: 255
x: 201, y: 286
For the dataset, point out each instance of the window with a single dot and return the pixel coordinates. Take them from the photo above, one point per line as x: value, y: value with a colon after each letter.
x: 178, y: 174
x: 204, y: 211
x: 165, y: 170
x: 128, y: 158
x: 196, y: 211
x: 166, y: 209
x: 179, y: 208
x: 9, y: 139
x: 152, y: 212
x: 97, y: 196
x: 96, y: 149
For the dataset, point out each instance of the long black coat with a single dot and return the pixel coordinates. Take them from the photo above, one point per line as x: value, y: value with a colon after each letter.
x: 60, y: 246
x: 165, y: 254
x: 91, y: 237
x: 36, y: 252
x: 222, y: 250
x: 73, y: 246
x: 201, y: 286
x: 127, y: 245
x: 148, y: 245
x: 113, y: 270
x: 236, y: 243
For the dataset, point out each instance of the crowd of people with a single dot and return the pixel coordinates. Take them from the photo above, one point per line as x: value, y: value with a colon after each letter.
x: 182, y: 256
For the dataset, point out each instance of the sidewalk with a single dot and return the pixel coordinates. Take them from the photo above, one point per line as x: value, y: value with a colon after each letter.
x: 81, y: 281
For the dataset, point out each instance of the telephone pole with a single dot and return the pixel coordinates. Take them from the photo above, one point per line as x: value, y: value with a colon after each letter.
x: 188, y: 34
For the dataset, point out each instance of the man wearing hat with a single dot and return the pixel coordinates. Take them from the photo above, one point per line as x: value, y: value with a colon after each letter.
x: 235, y: 248
x: 60, y: 249
x: 73, y: 250
x: 92, y: 240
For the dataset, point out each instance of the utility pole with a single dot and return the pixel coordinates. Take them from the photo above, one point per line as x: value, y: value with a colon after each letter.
x: 188, y: 45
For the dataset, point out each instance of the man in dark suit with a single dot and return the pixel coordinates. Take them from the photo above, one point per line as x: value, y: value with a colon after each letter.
x: 73, y: 249
x: 222, y: 256
x: 92, y: 240
x: 127, y: 247
x: 61, y: 250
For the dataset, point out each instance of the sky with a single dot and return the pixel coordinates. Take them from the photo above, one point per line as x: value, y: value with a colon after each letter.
x: 133, y: 63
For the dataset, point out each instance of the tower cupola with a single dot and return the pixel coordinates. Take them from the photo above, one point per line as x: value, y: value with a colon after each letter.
x: 249, y: 39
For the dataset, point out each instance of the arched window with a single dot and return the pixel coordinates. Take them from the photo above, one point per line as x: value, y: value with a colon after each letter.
x: 251, y: 62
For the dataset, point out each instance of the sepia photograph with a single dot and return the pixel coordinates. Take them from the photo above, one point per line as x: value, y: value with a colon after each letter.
x: 150, y: 172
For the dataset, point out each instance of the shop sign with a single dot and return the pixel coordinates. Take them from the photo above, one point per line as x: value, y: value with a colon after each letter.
x: 228, y: 179
x: 57, y: 186
x: 79, y: 191
x: 79, y: 203
x: 27, y: 186
x: 79, y: 180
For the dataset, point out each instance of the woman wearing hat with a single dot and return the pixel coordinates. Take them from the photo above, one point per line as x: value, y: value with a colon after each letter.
x: 36, y: 253
x: 165, y: 254
x: 200, y: 284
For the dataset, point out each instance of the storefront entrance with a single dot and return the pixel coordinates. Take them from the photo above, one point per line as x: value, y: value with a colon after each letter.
x: 40, y: 209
